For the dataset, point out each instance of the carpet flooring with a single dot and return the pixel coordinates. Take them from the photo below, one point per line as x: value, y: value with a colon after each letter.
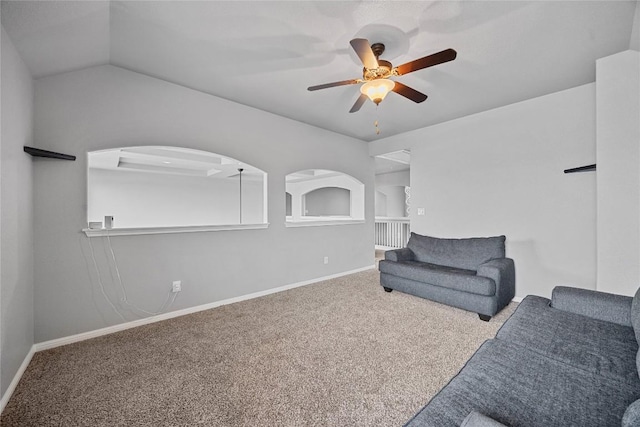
x: 335, y: 353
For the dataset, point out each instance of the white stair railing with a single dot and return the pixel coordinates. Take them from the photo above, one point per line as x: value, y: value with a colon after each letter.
x: 391, y: 232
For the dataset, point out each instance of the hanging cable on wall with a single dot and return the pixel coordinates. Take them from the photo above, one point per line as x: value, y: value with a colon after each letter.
x: 124, y: 301
x: 171, y: 297
x: 95, y: 264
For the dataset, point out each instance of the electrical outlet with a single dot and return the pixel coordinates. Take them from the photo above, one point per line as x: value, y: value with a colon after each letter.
x: 326, y: 260
x: 176, y: 286
x: 420, y: 211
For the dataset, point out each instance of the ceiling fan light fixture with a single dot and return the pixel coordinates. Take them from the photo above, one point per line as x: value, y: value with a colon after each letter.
x: 377, y: 89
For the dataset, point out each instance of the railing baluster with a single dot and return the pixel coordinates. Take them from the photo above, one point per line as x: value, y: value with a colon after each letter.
x: 391, y: 232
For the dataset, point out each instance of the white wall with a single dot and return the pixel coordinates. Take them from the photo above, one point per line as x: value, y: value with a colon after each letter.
x: 107, y: 107
x: 394, y: 199
x: 618, y: 163
x: 288, y: 202
x: 501, y: 172
x: 389, y: 201
x: 381, y: 203
x: 16, y: 214
x: 139, y: 199
x: 327, y: 201
x: 402, y: 178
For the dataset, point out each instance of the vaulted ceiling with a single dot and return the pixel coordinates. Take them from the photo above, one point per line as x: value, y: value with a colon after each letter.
x: 265, y: 54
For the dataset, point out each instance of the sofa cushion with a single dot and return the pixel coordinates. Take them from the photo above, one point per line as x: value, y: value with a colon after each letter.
x: 595, y: 304
x: 476, y: 419
x: 403, y: 254
x: 517, y: 386
x: 596, y: 346
x: 446, y: 277
x: 467, y: 254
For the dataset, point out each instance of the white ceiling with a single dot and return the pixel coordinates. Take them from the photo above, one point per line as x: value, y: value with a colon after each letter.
x: 397, y: 161
x: 265, y: 54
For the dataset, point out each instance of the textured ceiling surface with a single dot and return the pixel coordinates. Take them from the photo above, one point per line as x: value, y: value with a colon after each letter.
x: 265, y: 54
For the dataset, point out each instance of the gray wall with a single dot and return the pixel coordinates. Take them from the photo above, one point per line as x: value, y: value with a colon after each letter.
x: 16, y: 252
x: 328, y: 201
x: 634, y: 41
x: 107, y: 107
x: 618, y: 176
x: 501, y: 172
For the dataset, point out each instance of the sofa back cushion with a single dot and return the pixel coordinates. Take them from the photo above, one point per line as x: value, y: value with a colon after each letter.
x: 460, y: 253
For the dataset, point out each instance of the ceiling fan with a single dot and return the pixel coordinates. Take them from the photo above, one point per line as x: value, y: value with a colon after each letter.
x: 376, y: 73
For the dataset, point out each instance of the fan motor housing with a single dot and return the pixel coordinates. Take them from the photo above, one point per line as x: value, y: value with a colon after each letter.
x: 382, y: 72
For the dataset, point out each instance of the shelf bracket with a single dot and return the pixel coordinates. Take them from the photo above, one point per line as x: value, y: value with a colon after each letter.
x: 587, y: 168
x: 37, y: 152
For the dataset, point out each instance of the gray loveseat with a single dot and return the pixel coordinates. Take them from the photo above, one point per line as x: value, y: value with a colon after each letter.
x: 472, y: 274
x: 569, y: 361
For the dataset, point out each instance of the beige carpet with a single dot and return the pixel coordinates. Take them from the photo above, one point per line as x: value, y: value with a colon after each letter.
x: 336, y: 353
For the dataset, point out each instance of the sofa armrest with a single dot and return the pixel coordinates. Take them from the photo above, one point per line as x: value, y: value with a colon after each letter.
x: 476, y: 419
x: 404, y: 254
x: 598, y: 305
x: 503, y: 272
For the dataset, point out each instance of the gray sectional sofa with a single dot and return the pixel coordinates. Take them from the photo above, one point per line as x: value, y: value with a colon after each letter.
x: 569, y: 361
x: 472, y: 274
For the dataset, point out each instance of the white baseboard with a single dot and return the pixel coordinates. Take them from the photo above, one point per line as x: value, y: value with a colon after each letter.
x: 16, y: 379
x: 45, y: 345
x: 517, y: 299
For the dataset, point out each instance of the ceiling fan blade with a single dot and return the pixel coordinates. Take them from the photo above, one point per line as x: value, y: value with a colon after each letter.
x: 361, y: 100
x: 427, y: 61
x: 366, y: 55
x: 334, y: 84
x: 409, y: 93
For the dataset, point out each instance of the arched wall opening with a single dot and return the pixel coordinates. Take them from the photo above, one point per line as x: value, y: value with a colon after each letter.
x: 161, y: 186
x: 318, y: 194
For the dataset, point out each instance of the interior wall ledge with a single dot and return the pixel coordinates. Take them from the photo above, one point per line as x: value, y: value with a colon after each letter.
x: 320, y: 223
x: 103, y: 232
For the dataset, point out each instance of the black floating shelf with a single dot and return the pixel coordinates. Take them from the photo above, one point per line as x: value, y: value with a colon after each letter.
x: 36, y: 152
x: 587, y: 168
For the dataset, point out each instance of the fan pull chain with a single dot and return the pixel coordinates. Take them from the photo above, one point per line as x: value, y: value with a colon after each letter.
x: 375, y: 123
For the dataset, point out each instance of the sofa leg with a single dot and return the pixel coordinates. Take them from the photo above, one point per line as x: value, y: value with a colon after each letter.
x: 387, y: 289
x: 484, y: 317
